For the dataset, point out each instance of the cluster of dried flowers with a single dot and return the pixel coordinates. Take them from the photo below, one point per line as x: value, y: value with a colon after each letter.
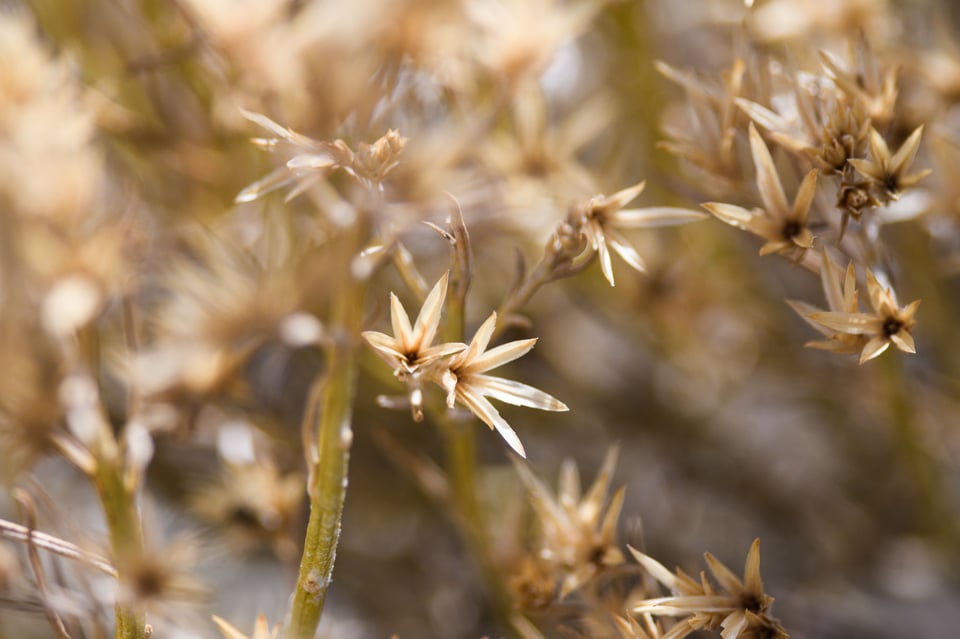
x: 182, y: 325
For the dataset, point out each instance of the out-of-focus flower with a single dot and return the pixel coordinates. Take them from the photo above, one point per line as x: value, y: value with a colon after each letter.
x: 260, y: 631
x: 783, y: 227
x: 463, y: 379
x: 887, y: 324
x: 578, y: 532
x: 740, y: 609
x: 409, y: 351
x: 310, y: 161
x: 601, y: 217
x: 889, y: 172
x: 254, y: 503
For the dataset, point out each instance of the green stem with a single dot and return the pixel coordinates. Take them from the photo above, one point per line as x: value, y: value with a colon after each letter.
x: 328, y: 485
x: 461, y: 456
x: 126, y: 536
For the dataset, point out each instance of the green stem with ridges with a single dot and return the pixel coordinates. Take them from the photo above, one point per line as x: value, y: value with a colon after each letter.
x: 331, y: 407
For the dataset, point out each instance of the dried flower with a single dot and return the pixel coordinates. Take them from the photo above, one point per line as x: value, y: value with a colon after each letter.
x: 783, y: 227
x: 310, y: 161
x: 463, y: 379
x: 409, y: 352
x: 601, y: 217
x: 841, y: 298
x: 260, y: 631
x: 887, y: 324
x: 740, y: 608
x: 888, y: 172
x: 578, y: 532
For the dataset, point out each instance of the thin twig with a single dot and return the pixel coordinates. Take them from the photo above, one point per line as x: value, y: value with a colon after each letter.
x: 58, y: 546
x: 29, y: 511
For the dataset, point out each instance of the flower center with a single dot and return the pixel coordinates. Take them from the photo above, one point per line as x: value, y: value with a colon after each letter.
x: 791, y: 229
x: 891, y: 326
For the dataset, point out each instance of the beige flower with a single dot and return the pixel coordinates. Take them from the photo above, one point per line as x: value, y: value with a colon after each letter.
x: 740, y: 609
x: 887, y: 324
x: 783, y: 227
x: 260, y: 631
x: 601, y: 217
x: 889, y: 172
x: 409, y: 352
x: 578, y: 532
x: 841, y: 298
x: 463, y: 379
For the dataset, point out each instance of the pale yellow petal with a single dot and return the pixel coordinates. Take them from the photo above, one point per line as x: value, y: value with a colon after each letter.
x: 905, y: 154
x: 904, y: 341
x: 768, y: 181
x: 655, y: 216
x: 428, y: 320
x: 627, y: 252
x: 491, y: 417
x: 725, y: 577
x: 402, y: 331
x: 874, y: 348
x: 853, y: 323
x: 752, y: 583
x: 511, y: 392
x: 500, y: 355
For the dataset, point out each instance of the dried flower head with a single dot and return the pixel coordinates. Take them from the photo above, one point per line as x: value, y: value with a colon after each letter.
x: 783, y: 227
x: 889, y: 172
x: 887, y: 324
x: 602, y: 216
x: 409, y: 352
x: 578, y: 532
x: 740, y: 609
x: 309, y: 161
x: 256, y: 505
x: 462, y: 377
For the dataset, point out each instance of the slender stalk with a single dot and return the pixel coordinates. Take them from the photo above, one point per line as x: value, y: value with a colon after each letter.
x: 330, y: 413
x: 126, y: 536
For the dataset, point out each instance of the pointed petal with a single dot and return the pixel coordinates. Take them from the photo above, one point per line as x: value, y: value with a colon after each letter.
x: 868, y: 169
x: 655, y: 216
x: 479, y: 342
x: 621, y: 198
x: 725, y: 577
x: 850, y: 303
x: 274, y: 180
x: 568, y: 488
x: 830, y: 281
x: 904, y: 341
x: 879, y: 152
x: 805, y: 195
x: 733, y: 215
x: 907, y: 151
x: 402, y: 331
x: 874, y: 348
x: 876, y: 291
x: 606, y: 264
x: 491, y: 417
x: 608, y: 528
x: 768, y: 181
x: 383, y: 344
x: 500, y: 355
x: 853, y: 323
x: 804, y: 310
x: 311, y: 162
x: 774, y: 246
x: 627, y: 252
x: 752, y: 583
x: 511, y: 392
x: 428, y: 320
x: 655, y: 569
